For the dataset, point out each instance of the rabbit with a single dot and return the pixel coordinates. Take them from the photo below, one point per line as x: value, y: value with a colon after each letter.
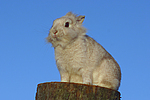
x: 79, y: 58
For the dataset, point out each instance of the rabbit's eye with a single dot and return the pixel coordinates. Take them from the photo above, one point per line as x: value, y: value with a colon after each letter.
x: 67, y: 24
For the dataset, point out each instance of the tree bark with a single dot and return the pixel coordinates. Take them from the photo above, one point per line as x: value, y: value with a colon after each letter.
x: 74, y: 91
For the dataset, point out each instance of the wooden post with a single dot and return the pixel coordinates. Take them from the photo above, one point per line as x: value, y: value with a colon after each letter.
x: 74, y: 91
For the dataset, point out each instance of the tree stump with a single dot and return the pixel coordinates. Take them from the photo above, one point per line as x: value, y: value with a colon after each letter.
x: 74, y: 91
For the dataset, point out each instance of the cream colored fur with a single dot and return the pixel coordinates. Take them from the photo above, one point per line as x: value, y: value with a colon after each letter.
x: 79, y: 58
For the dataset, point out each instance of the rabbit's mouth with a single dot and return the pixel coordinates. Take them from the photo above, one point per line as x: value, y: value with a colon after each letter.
x: 55, y: 37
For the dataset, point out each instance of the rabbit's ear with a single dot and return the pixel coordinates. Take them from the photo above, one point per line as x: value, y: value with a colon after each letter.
x: 80, y: 19
x: 69, y: 14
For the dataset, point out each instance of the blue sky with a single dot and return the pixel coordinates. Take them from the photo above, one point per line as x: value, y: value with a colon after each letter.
x: 26, y: 59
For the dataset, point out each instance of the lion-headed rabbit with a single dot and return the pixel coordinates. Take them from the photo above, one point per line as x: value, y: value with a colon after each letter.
x: 79, y: 58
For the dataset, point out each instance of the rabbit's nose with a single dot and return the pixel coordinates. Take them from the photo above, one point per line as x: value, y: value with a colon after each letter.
x: 55, y: 32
